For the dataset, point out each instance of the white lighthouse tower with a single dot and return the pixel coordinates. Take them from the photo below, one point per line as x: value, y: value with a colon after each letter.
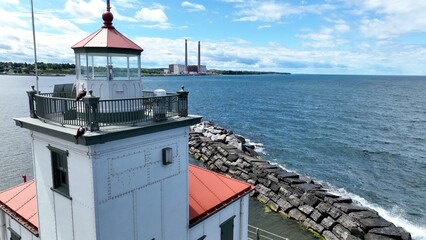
x: 113, y: 163
x: 123, y: 177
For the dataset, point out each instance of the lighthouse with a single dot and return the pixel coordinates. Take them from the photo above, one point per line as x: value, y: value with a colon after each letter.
x: 113, y: 163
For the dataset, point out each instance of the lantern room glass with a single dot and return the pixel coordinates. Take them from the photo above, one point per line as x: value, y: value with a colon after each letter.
x: 102, y: 67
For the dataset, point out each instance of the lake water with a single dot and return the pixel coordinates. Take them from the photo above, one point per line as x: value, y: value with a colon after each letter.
x: 362, y: 136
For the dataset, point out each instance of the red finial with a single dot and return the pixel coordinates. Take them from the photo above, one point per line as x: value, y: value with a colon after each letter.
x: 107, y: 17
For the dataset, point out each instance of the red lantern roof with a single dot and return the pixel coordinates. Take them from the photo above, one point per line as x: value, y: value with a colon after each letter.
x: 107, y: 37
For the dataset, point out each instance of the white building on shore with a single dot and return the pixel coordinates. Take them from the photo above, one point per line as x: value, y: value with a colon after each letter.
x: 113, y: 164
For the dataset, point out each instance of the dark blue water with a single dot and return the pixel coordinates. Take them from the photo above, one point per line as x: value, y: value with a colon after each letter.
x: 363, y: 136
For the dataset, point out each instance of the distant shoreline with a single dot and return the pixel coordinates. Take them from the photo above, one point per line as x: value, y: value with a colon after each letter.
x: 41, y: 75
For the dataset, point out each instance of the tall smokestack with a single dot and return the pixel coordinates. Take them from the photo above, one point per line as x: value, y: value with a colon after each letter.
x: 199, y: 56
x: 186, y: 56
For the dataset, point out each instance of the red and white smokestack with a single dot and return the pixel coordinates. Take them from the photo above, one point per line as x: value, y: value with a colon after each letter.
x: 199, y: 56
x: 186, y: 55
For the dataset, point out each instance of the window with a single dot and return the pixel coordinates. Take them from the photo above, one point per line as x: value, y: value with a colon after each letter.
x: 60, y: 170
x: 227, y: 229
x: 202, y: 238
x: 14, y: 235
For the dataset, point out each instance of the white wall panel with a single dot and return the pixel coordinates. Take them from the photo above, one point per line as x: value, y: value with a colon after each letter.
x: 115, y: 219
x: 148, y: 212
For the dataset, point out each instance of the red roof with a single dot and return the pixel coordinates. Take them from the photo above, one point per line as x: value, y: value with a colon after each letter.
x: 20, y: 203
x: 210, y: 192
x: 107, y: 38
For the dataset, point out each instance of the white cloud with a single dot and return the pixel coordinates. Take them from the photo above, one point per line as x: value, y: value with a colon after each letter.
x: 385, y: 19
x: 85, y: 12
x: 11, y: 2
x: 156, y: 15
x: 271, y: 11
x: 264, y: 26
x: 8, y: 18
x: 125, y: 3
x: 193, y: 7
x: 57, y: 24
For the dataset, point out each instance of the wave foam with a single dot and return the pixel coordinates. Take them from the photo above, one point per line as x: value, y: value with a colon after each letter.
x: 258, y: 147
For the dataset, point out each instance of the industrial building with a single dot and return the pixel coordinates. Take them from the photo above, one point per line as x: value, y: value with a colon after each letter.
x: 179, y: 69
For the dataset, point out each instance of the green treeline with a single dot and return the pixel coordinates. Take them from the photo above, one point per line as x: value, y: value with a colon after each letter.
x: 43, y: 68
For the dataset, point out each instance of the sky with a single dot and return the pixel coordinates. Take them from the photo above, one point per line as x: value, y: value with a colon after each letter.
x: 378, y: 37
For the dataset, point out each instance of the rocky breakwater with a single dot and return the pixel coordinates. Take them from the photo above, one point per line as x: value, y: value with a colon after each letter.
x: 293, y: 195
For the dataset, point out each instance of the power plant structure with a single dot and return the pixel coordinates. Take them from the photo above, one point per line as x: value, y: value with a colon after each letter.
x: 180, y: 69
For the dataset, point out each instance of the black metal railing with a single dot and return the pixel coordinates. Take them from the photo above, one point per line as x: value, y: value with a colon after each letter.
x: 94, y: 113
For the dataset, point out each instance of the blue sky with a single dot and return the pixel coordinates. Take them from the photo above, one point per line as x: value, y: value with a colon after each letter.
x: 297, y: 36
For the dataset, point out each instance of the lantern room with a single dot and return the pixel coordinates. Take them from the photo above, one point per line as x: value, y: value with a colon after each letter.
x: 108, y: 63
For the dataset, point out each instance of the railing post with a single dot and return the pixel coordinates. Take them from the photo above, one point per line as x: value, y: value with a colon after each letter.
x: 31, y: 99
x: 182, y: 102
x: 257, y: 234
x: 91, y: 107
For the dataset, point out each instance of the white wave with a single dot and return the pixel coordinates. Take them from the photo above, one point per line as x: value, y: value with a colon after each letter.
x: 394, y: 215
x: 258, y: 147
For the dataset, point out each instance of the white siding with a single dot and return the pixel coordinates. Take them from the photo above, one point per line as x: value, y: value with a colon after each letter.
x: 211, y: 226
x: 145, y: 198
x: 19, y: 229
x: 61, y: 217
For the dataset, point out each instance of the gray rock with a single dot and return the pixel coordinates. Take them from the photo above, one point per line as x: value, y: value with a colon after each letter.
x: 328, y: 223
x: 369, y: 223
x: 338, y: 200
x: 363, y: 214
x: 296, y: 214
x: 323, y: 207
x: 293, y: 200
x: 273, y: 196
x: 284, y: 174
x: 307, y: 186
x: 232, y: 157
x: 316, y: 216
x: 293, y: 181
x: 347, y: 222
x: 251, y: 181
x: 323, y: 194
x: 284, y: 192
x: 306, y: 209
x: 394, y: 232
x: 313, y: 225
x: 371, y: 236
x: 310, y: 199
x: 341, y: 232
x: 265, y: 182
x: 273, y: 178
x: 275, y: 187
x: 348, y: 208
x: 284, y: 205
x: 352, y: 225
x: 262, y: 189
x: 334, y: 212
x: 273, y: 206
x: 262, y: 198
x: 329, y: 235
